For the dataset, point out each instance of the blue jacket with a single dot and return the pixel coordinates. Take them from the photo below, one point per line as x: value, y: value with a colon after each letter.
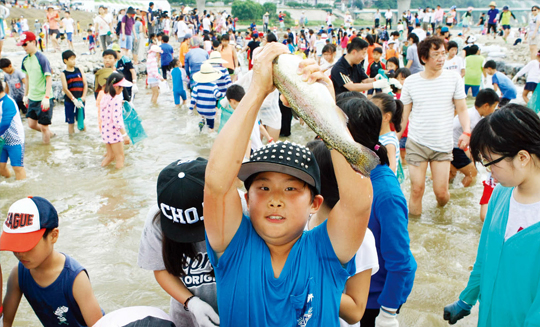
x: 393, y: 283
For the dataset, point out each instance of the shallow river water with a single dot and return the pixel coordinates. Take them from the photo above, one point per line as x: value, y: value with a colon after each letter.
x: 102, y: 212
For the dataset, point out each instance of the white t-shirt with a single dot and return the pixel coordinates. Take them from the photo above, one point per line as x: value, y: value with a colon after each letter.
x: 532, y: 69
x: 102, y: 24
x: 427, y: 17
x: 24, y: 25
x: 319, y: 45
x: 255, y: 138
x: 388, y: 15
x: 432, y: 115
x: 68, y: 24
x: 521, y: 216
x: 182, y: 29
x: 206, y: 24
x: 377, y: 15
x: 474, y: 118
x: 420, y: 33
x: 455, y: 64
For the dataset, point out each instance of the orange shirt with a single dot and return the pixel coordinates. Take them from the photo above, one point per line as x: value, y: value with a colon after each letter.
x: 53, y: 24
x: 391, y: 53
x: 227, y: 54
x: 370, y: 51
x: 184, y: 48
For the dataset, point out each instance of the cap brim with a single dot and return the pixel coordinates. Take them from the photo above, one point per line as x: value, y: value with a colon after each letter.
x: 206, y: 78
x: 253, y: 167
x: 216, y: 61
x: 189, y: 234
x: 124, y: 83
x: 17, y: 242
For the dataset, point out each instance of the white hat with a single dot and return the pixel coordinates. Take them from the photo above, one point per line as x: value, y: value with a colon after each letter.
x: 324, y: 36
x: 215, y: 58
x: 155, y: 48
x: 471, y: 39
x: 206, y: 74
x: 391, y: 42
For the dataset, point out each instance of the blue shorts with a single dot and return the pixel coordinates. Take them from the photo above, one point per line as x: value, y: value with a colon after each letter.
x: 15, y: 153
x: 177, y: 95
x: 475, y: 89
x: 530, y: 86
x: 127, y: 43
x: 70, y: 37
x: 402, y: 143
x: 506, y: 27
x: 71, y: 112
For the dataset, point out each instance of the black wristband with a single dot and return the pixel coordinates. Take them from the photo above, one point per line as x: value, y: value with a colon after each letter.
x: 186, y: 303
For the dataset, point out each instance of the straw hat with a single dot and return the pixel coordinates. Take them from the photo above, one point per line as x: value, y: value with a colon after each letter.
x: 267, y: 14
x: 492, y: 4
x: 215, y: 58
x: 207, y: 74
x: 155, y: 48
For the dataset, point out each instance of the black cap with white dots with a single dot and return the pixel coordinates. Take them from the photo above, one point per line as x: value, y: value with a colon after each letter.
x: 284, y: 157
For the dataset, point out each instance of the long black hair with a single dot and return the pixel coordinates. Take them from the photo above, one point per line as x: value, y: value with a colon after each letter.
x: 365, y: 120
x: 506, y: 132
x: 111, y: 80
x: 329, y: 186
x: 390, y: 105
x: 175, y: 254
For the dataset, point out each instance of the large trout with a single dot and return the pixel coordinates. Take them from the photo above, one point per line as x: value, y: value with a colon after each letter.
x: 316, y: 106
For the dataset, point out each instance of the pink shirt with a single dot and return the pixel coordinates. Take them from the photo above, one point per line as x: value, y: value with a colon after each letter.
x: 112, y: 120
x: 152, y: 66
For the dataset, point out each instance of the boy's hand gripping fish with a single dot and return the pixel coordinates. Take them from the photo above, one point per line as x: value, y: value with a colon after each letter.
x: 316, y: 106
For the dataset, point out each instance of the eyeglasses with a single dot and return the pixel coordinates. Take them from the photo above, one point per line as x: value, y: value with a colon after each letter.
x: 486, y: 164
x: 438, y: 55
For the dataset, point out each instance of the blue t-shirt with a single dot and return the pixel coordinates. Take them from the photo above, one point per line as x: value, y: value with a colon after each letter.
x: 508, y: 89
x: 492, y: 13
x: 167, y: 55
x: 307, y: 292
x: 177, y: 82
x: 388, y: 221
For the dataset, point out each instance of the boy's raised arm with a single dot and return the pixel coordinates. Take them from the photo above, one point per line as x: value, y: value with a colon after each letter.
x: 13, y: 297
x: 349, y: 219
x: 222, y: 206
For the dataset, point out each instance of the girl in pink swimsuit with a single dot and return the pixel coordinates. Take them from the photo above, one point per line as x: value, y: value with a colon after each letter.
x: 113, y: 132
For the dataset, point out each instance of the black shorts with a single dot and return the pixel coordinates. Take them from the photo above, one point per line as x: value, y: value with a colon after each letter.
x: 51, y: 32
x: 460, y: 158
x: 35, y: 112
x: 231, y: 71
x: 530, y: 86
x: 493, y: 27
x: 22, y: 107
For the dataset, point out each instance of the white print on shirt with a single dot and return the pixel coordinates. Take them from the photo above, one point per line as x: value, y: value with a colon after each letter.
x: 60, y: 311
x: 198, y: 271
x: 307, y: 311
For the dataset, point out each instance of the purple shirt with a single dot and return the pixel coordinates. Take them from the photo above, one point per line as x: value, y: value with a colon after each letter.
x: 129, y: 21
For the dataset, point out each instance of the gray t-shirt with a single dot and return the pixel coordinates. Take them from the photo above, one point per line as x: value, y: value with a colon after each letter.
x: 412, y: 54
x: 15, y: 84
x: 198, y: 279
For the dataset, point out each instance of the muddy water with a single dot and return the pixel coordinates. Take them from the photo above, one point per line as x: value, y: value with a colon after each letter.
x: 102, y: 212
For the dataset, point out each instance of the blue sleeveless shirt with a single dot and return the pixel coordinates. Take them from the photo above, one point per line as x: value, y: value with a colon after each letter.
x: 54, y: 305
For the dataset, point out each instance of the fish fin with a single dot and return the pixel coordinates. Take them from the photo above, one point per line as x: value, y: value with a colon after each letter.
x: 342, y: 115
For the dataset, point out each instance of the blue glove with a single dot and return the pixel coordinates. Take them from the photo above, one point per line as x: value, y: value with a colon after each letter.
x: 455, y: 311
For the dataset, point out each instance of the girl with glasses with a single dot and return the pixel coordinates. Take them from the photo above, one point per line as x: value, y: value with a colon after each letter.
x: 505, y: 274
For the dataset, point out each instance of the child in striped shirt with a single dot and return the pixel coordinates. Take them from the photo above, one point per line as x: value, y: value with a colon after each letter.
x: 152, y: 71
x: 204, y: 95
x: 75, y: 87
x: 224, y: 81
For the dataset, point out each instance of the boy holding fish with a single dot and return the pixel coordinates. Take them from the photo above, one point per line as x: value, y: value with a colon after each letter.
x: 269, y: 272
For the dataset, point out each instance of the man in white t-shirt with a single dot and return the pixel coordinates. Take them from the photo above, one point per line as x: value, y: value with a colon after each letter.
x: 388, y: 17
x: 103, y: 24
x: 426, y: 20
x: 24, y: 24
x: 68, y: 23
x: 419, y: 32
x: 319, y: 45
x: 432, y: 96
x: 454, y: 62
x: 206, y: 24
